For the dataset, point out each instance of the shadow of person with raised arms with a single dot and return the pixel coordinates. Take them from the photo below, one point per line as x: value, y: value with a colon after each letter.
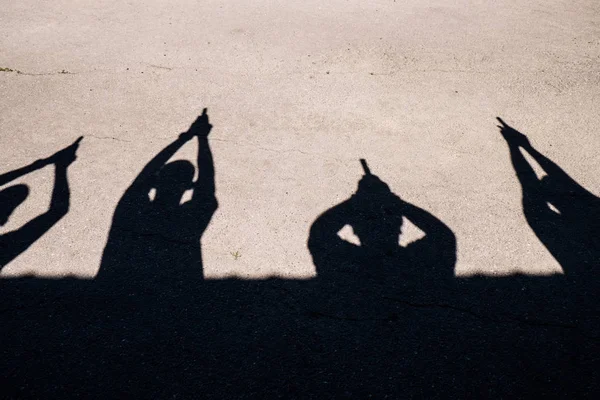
x: 563, y: 215
x: 158, y: 240
x: 13, y: 243
x: 566, y: 219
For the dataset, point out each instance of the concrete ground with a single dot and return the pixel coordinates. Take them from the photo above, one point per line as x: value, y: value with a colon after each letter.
x: 297, y: 93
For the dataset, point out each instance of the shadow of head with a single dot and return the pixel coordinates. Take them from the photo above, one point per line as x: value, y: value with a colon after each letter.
x: 10, y: 199
x: 173, y: 180
x: 377, y: 219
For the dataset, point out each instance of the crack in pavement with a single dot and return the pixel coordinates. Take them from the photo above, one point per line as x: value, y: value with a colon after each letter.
x: 248, y: 144
x: 160, y: 67
x: 109, y: 138
x: 19, y: 72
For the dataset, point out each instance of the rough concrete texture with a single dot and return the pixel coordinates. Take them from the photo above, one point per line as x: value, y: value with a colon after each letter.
x: 297, y: 93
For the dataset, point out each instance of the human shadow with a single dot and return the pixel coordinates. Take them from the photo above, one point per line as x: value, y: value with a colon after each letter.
x: 376, y: 216
x: 15, y: 242
x: 158, y: 239
x: 564, y: 215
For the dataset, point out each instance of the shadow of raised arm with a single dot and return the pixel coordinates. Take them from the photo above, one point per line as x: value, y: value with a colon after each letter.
x: 563, y: 215
x: 13, y: 243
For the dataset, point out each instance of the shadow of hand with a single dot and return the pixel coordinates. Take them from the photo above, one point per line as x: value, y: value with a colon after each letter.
x: 511, y: 135
x: 66, y: 156
x: 201, y: 127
